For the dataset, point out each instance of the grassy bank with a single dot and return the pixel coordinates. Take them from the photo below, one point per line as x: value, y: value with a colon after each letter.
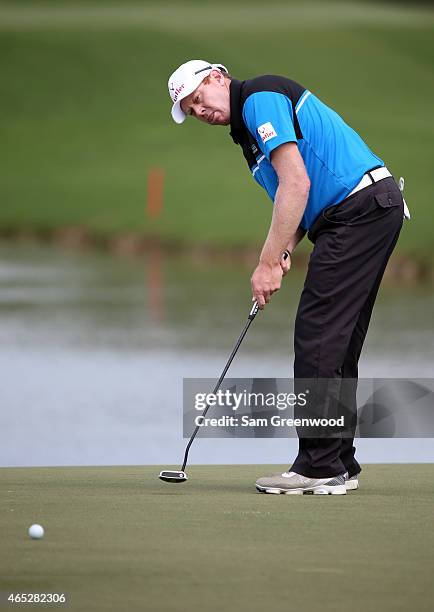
x: 118, y: 538
x: 85, y: 110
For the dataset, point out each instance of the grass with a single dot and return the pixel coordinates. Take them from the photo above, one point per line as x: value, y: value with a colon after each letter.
x: 85, y: 110
x: 117, y: 538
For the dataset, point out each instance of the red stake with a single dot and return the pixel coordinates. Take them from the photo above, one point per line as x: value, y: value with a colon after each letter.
x: 154, y: 206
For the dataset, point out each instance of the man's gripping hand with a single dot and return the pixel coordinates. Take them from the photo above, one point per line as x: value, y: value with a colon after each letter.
x: 267, y: 279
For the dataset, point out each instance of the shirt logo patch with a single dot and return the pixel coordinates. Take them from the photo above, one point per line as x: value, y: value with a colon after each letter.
x: 266, y: 131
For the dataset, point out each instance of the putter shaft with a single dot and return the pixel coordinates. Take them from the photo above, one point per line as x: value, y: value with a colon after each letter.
x: 252, y: 314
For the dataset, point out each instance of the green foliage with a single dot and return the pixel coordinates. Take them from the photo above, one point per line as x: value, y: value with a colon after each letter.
x: 85, y: 109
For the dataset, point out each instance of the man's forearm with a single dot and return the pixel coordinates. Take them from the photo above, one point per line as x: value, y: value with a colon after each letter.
x: 284, y: 233
x: 295, y: 239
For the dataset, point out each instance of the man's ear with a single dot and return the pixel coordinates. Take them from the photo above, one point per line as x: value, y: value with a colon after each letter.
x: 217, y: 75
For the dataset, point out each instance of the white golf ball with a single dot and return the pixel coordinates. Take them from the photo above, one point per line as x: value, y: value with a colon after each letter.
x: 36, y: 532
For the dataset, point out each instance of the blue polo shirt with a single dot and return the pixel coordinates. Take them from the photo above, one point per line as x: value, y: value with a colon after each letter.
x: 335, y: 156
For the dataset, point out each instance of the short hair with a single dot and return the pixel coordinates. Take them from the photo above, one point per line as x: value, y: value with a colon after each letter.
x: 224, y: 73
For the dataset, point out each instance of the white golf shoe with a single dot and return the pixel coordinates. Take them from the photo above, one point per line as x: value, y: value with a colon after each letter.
x: 351, y: 484
x: 290, y: 483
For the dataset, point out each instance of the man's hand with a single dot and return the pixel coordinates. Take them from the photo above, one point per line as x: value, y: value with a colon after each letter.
x: 266, y: 280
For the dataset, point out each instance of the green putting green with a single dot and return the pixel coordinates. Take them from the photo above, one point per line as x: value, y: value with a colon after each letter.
x: 117, y: 538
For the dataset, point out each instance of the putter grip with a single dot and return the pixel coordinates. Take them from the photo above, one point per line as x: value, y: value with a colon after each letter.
x: 253, y: 311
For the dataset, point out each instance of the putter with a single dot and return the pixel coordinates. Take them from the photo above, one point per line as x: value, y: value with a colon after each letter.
x: 180, y: 475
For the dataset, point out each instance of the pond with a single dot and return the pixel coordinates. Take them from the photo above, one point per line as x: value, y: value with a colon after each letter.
x: 94, y: 348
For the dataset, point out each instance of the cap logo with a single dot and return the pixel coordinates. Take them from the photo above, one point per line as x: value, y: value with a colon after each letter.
x: 176, y: 91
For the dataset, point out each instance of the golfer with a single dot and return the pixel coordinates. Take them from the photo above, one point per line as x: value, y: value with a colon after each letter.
x: 325, y: 182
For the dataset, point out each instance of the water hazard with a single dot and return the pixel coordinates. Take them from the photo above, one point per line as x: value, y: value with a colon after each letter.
x: 94, y: 348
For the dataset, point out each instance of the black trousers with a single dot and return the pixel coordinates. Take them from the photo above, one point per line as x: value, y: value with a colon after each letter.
x: 353, y: 242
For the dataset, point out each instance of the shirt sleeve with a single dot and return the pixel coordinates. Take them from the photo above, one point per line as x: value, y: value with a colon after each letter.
x: 269, y: 118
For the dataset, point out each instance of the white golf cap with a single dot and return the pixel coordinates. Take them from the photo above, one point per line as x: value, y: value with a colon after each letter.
x: 185, y: 80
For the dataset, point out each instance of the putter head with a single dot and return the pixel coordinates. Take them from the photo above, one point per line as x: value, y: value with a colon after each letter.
x: 173, y: 476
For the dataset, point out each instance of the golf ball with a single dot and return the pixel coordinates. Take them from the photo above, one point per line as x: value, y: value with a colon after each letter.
x: 36, y: 532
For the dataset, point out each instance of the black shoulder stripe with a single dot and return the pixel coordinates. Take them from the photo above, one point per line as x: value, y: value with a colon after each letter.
x: 240, y: 91
x: 278, y: 84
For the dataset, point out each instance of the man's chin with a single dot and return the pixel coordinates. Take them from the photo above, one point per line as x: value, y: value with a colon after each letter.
x: 219, y: 120
x: 222, y: 122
